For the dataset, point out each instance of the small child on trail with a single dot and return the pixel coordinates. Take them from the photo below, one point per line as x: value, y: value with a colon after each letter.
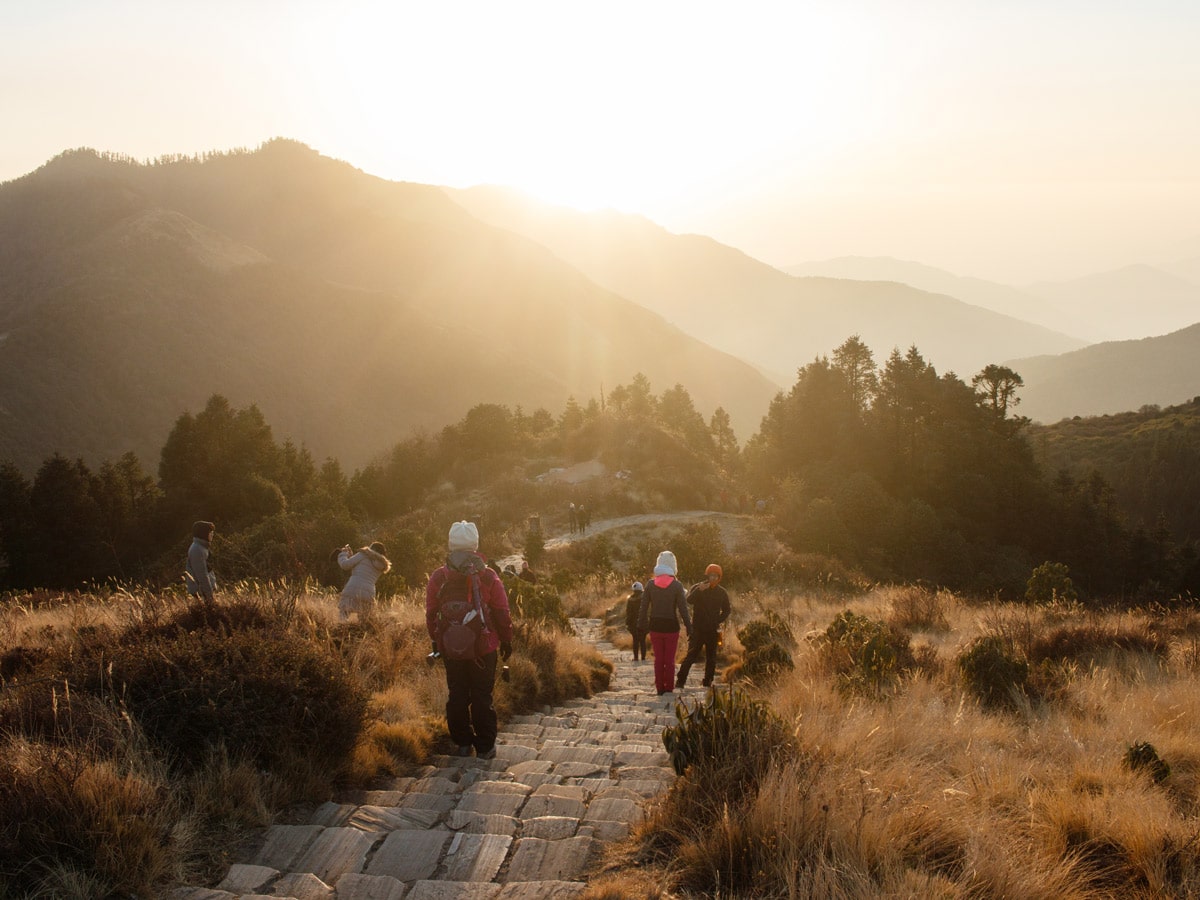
x: 633, y: 608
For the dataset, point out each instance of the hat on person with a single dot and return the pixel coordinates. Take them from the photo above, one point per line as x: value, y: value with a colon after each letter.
x: 714, y: 569
x: 464, y: 536
x: 203, y: 530
x: 666, y: 564
x: 637, y: 586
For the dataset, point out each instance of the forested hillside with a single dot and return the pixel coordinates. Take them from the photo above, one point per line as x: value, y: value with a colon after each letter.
x: 351, y: 310
x: 895, y: 472
x: 1149, y: 459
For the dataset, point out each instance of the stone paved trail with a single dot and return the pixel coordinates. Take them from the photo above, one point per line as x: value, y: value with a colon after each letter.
x: 523, y: 826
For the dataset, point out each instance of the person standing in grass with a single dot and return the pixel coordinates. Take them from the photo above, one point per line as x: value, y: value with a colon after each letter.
x: 365, y: 566
x: 710, y: 606
x: 633, y: 609
x: 664, y: 604
x: 470, y: 678
x: 200, y: 580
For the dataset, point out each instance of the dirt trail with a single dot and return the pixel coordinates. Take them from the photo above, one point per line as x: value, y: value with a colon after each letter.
x: 731, y: 524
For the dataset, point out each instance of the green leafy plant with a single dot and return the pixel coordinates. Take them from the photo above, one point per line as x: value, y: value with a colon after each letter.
x: 1050, y: 582
x: 993, y: 672
x: 729, y: 730
x: 864, y: 653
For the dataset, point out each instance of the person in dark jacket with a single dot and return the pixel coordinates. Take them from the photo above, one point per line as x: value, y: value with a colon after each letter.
x: 710, y: 608
x: 470, y: 712
x: 664, y: 604
x: 633, y: 609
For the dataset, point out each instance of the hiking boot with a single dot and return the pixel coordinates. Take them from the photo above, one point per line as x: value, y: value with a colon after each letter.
x: 465, y: 750
x: 487, y: 754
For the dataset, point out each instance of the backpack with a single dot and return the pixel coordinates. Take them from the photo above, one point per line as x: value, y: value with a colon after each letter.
x: 461, y: 625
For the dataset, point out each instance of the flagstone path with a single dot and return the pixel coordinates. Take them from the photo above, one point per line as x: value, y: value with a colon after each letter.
x: 523, y: 826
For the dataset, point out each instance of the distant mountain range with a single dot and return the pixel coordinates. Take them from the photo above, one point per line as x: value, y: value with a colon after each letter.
x: 351, y: 309
x: 1132, y: 302
x: 775, y: 320
x: 354, y: 310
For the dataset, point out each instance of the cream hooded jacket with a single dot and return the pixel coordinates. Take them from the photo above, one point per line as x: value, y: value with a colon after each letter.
x: 365, y: 567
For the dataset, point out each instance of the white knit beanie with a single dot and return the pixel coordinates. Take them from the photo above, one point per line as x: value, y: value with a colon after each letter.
x: 464, y: 536
x: 666, y: 564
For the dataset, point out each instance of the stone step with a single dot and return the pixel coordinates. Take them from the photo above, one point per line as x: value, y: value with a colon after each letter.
x: 523, y: 826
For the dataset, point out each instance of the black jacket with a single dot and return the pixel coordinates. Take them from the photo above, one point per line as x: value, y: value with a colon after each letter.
x: 710, y: 606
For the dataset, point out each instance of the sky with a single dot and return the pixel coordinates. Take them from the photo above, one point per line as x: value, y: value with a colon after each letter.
x: 1011, y: 140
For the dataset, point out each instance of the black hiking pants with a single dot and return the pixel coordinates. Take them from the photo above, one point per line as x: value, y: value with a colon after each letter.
x: 701, y: 641
x: 470, y: 714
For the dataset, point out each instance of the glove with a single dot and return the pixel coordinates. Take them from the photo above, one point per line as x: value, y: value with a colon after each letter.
x: 505, y: 650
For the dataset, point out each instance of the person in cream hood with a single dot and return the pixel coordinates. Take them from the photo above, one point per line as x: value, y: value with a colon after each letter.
x: 664, y: 605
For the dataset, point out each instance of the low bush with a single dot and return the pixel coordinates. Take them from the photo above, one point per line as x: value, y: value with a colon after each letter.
x: 993, y: 672
x: 865, y: 654
x: 1087, y: 642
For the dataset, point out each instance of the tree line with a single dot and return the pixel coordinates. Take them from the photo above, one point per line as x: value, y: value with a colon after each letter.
x: 899, y: 471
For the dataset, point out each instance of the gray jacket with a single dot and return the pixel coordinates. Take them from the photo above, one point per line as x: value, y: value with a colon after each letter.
x: 200, y: 581
x: 662, y: 608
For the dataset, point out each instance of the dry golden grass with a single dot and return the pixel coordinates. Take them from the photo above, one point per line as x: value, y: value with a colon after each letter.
x: 918, y: 791
x: 113, y: 818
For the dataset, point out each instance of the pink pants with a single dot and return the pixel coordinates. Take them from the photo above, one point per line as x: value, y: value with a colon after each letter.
x: 664, y: 644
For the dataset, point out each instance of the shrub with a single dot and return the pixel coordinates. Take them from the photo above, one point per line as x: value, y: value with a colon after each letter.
x: 992, y: 672
x: 1050, y: 582
x: 270, y: 695
x: 759, y: 633
x: 1143, y: 757
x: 865, y: 653
x: 915, y: 607
x: 766, y: 663
x: 728, y: 732
x: 539, y: 602
x: 1087, y: 642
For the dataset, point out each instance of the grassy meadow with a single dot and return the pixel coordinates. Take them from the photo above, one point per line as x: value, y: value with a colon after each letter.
x: 143, y: 738
x: 923, y: 744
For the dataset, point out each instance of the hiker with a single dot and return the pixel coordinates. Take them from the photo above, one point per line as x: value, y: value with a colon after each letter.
x: 710, y: 608
x: 633, y: 609
x: 365, y: 566
x: 199, y: 578
x: 466, y: 583
x: 664, y: 603
x: 573, y: 518
x: 526, y: 573
x: 585, y: 518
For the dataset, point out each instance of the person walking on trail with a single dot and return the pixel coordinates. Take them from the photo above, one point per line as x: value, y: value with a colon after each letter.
x: 664, y: 604
x: 365, y: 565
x: 466, y: 583
x: 572, y: 518
x: 583, y: 518
x: 633, y: 609
x: 710, y: 609
x: 199, y: 578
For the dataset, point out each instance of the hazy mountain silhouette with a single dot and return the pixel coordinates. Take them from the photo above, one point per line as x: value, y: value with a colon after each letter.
x: 349, y: 308
x: 1112, y: 377
x: 1132, y: 302
x: 1001, y: 298
x: 757, y: 312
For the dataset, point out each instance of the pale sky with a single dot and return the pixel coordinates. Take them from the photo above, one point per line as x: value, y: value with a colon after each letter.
x: 1011, y: 140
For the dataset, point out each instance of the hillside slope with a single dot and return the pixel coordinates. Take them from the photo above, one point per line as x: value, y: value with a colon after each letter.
x: 1111, y: 377
x: 754, y: 311
x: 350, y: 309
